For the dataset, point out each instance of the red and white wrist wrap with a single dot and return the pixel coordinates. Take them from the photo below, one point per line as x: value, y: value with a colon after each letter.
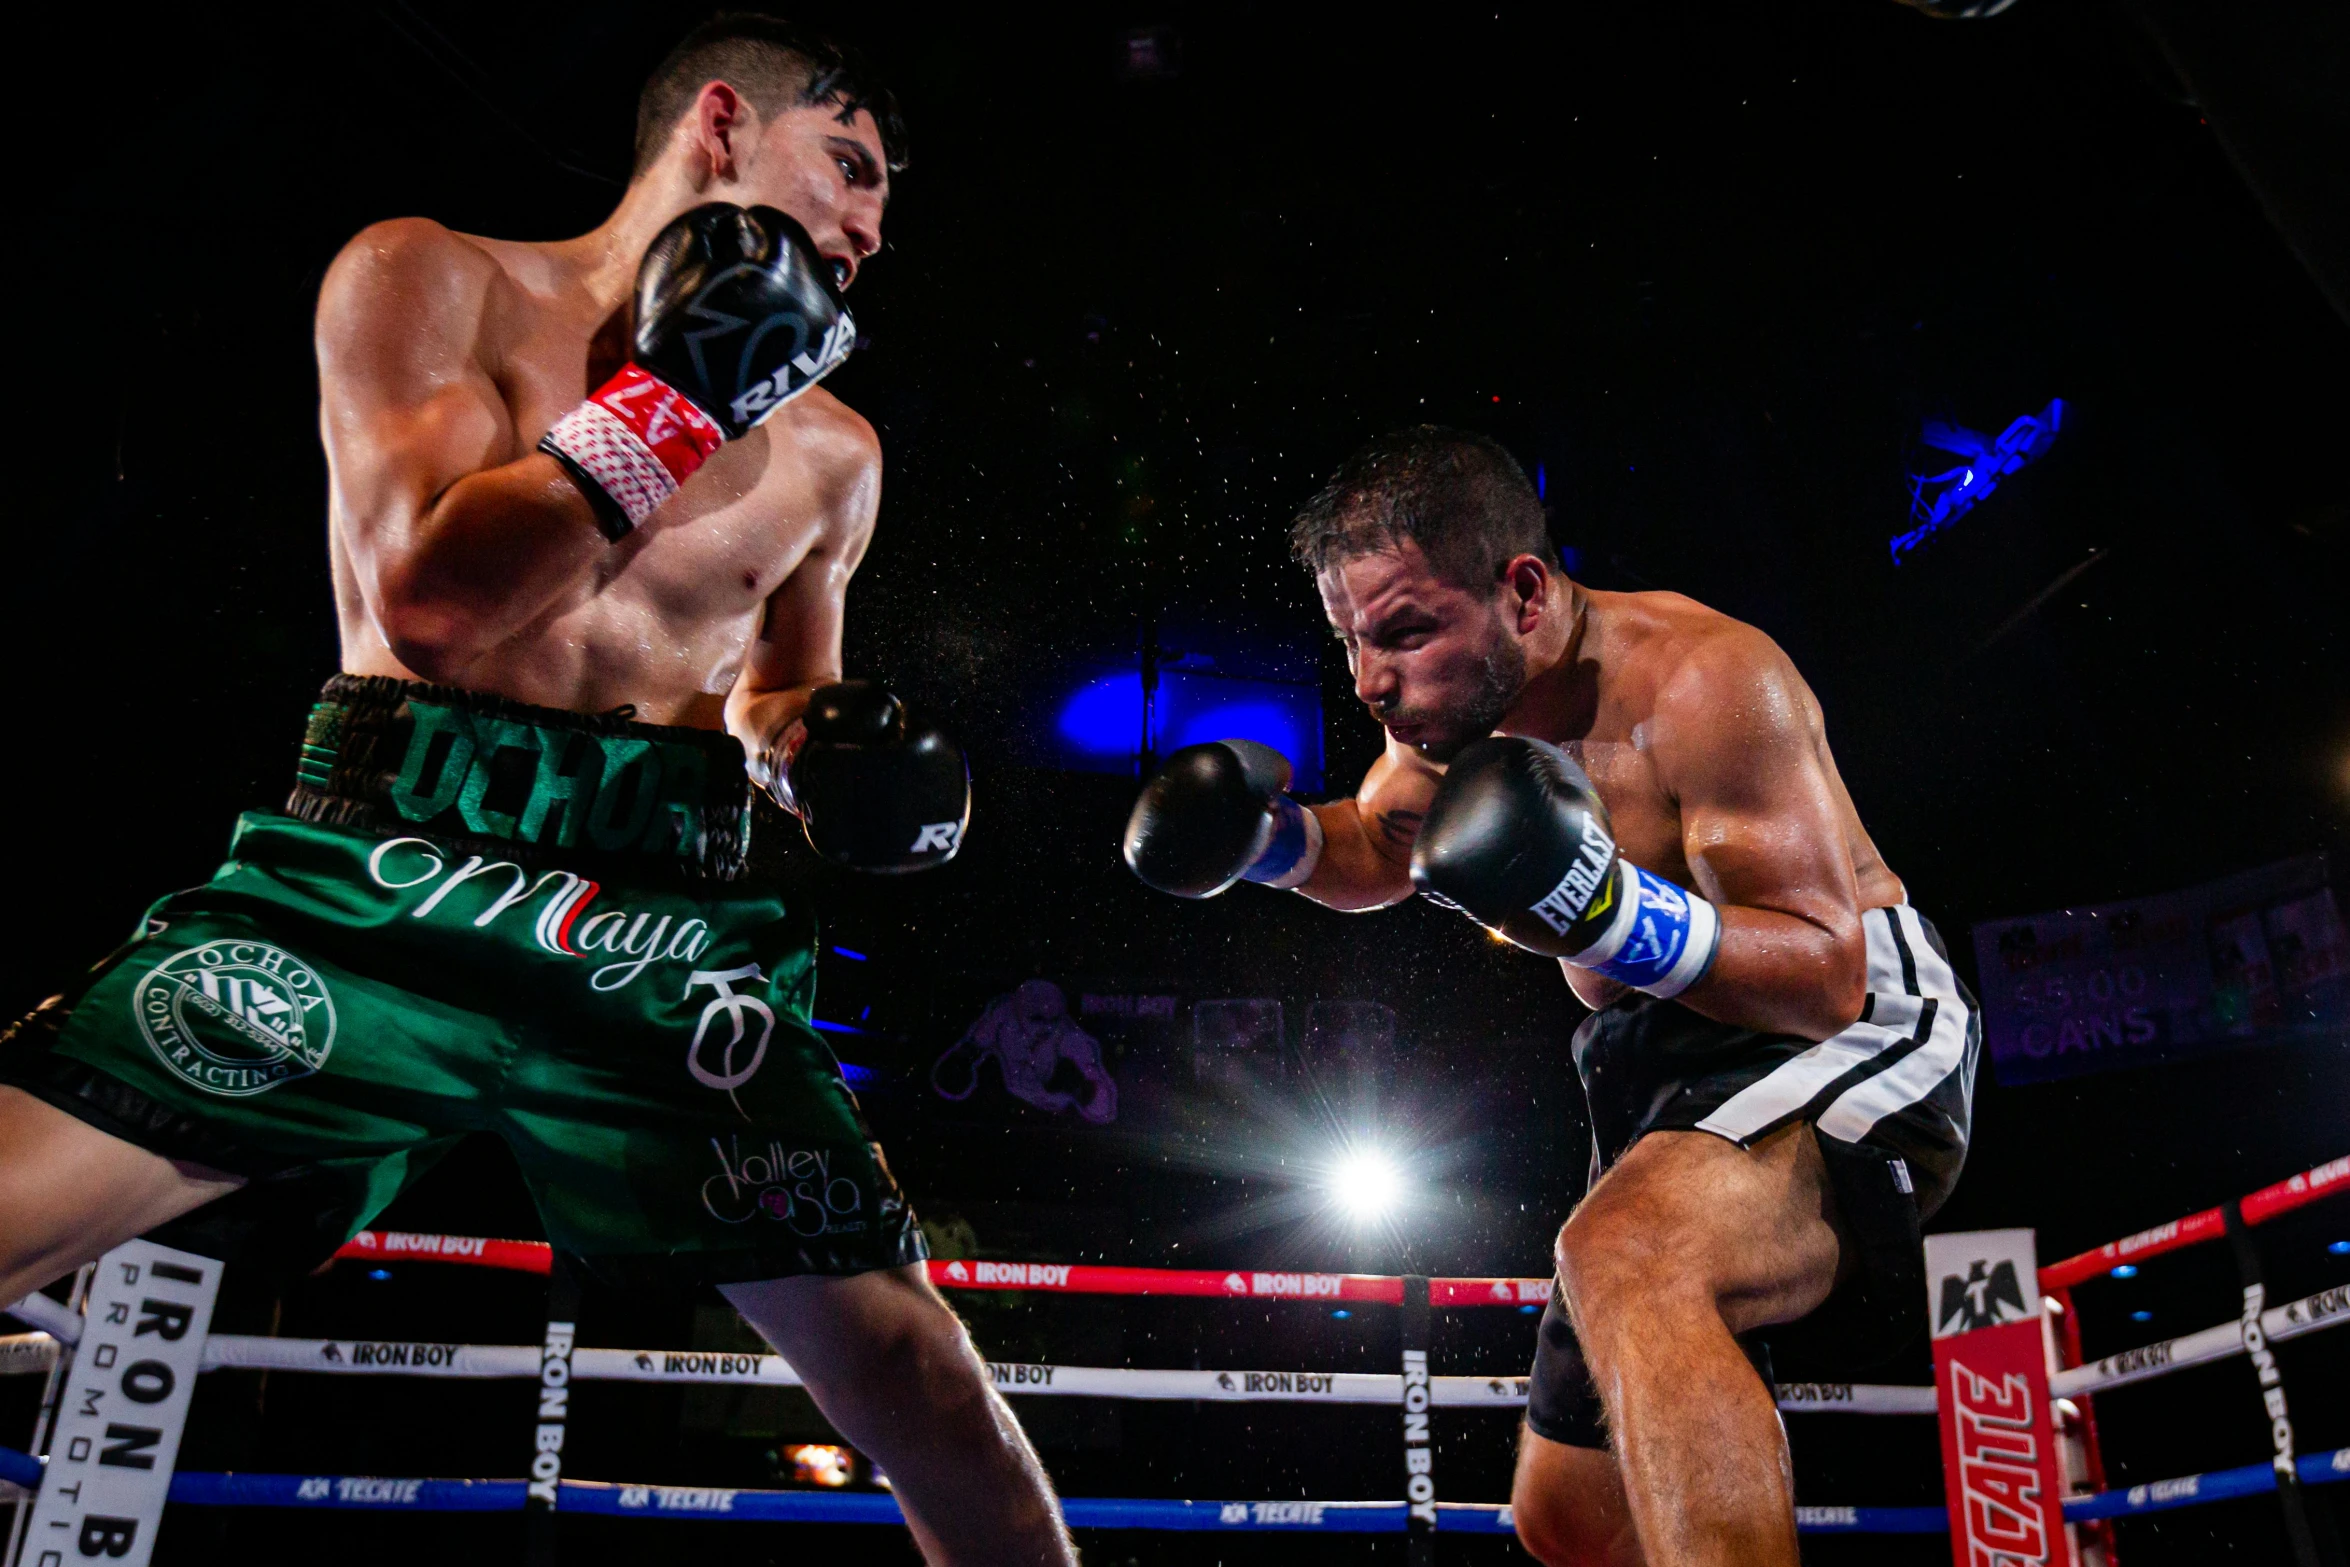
x: 771, y: 768
x: 635, y: 440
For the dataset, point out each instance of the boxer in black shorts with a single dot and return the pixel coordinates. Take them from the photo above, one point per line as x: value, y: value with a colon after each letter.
x: 1779, y: 1060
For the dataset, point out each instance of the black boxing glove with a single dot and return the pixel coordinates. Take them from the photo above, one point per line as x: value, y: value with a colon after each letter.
x: 874, y: 792
x: 1215, y: 814
x: 736, y: 315
x: 1518, y: 840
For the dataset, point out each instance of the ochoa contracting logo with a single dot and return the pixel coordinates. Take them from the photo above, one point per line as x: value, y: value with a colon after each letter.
x: 236, y: 1017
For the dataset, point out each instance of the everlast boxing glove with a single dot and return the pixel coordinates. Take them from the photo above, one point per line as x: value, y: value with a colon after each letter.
x: 1518, y: 840
x: 1214, y: 814
x: 736, y: 315
x: 874, y: 793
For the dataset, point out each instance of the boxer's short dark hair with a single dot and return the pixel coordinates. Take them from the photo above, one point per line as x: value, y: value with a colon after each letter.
x: 775, y: 65
x: 1461, y: 497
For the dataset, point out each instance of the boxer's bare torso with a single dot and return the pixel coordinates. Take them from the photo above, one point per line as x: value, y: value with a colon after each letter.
x: 667, y: 619
x: 463, y: 556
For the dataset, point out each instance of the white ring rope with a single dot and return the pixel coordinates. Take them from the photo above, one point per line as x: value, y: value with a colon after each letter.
x: 392, y: 1357
x: 2325, y: 1309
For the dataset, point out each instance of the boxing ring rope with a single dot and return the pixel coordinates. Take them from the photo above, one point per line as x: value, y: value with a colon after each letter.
x: 36, y: 1352
x: 376, y: 1493
x: 60, y: 1325
x: 2208, y: 1225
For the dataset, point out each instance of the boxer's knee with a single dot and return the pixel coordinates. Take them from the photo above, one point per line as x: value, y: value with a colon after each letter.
x: 1568, y: 1506
x: 1623, y: 1260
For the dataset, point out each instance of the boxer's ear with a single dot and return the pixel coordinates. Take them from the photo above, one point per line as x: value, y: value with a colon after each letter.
x: 1531, y: 590
x: 722, y: 133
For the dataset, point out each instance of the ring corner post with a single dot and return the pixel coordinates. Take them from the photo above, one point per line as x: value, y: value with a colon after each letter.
x: 2000, y: 1435
x: 124, y: 1405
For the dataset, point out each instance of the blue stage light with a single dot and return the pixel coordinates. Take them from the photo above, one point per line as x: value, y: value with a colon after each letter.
x: 1105, y: 718
x: 2339, y: 1248
x: 2128, y: 1270
x: 824, y: 1026
x: 1262, y: 722
x: 1342, y: 1314
x: 1100, y: 725
x: 1936, y: 500
x: 2141, y: 1316
x: 853, y: 957
x: 857, y: 1076
x: 1528, y: 1311
x: 379, y: 1274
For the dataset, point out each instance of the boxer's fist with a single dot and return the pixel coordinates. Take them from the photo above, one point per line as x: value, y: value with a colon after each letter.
x: 875, y: 793
x: 1518, y: 840
x: 735, y: 309
x: 736, y: 315
x: 1214, y: 813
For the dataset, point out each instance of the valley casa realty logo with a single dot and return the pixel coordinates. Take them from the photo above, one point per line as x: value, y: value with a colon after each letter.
x: 236, y: 1017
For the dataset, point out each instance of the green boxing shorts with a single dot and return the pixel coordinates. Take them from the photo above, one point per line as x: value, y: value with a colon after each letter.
x: 477, y: 916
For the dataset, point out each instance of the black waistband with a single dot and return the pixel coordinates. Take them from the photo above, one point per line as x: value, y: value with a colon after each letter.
x: 496, y: 776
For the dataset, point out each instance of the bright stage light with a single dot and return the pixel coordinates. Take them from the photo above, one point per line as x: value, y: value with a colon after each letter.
x: 1367, y: 1184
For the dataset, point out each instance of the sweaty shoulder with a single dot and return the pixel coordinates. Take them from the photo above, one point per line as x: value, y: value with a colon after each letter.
x: 838, y: 447
x: 410, y: 281
x: 1715, y: 678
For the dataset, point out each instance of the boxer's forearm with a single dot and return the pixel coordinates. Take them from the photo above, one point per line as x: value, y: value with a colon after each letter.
x: 491, y: 554
x: 760, y: 718
x: 1354, y: 874
x: 1784, y: 974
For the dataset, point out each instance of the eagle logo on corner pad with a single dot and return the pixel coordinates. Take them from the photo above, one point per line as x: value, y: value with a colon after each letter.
x: 1977, y: 1300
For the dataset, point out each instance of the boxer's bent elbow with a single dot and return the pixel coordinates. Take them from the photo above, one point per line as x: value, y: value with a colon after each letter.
x: 1840, y: 987
x: 433, y: 638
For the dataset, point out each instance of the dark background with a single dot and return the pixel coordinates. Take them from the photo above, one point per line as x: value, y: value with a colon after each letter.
x: 1708, y: 266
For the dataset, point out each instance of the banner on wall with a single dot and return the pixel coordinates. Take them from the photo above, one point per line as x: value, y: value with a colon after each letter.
x: 1137, y: 1052
x: 2258, y: 957
x: 1041, y: 1055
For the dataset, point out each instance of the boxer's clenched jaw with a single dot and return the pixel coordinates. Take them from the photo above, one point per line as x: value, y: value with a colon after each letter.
x: 1437, y: 662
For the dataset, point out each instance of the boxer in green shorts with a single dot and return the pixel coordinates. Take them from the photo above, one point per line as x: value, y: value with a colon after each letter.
x: 509, y: 890
x: 392, y: 963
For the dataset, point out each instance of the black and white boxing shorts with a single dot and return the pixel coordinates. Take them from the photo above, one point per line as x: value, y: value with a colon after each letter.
x: 1891, y: 1098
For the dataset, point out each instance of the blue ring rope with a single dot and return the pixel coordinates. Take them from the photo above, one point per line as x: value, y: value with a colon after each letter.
x: 371, y: 1494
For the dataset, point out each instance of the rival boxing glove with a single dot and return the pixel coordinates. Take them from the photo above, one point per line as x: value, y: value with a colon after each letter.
x: 873, y: 792
x: 1214, y: 814
x: 1518, y: 840
x: 736, y: 315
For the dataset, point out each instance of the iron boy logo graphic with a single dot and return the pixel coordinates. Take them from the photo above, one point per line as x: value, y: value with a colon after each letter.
x: 236, y: 1017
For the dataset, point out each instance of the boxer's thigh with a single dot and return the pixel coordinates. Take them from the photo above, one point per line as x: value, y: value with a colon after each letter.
x: 70, y: 1192
x: 1753, y: 1227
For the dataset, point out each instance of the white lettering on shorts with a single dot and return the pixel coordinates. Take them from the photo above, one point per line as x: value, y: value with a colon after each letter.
x: 236, y: 1017
x: 795, y: 1187
x: 732, y: 1006
x: 634, y: 941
